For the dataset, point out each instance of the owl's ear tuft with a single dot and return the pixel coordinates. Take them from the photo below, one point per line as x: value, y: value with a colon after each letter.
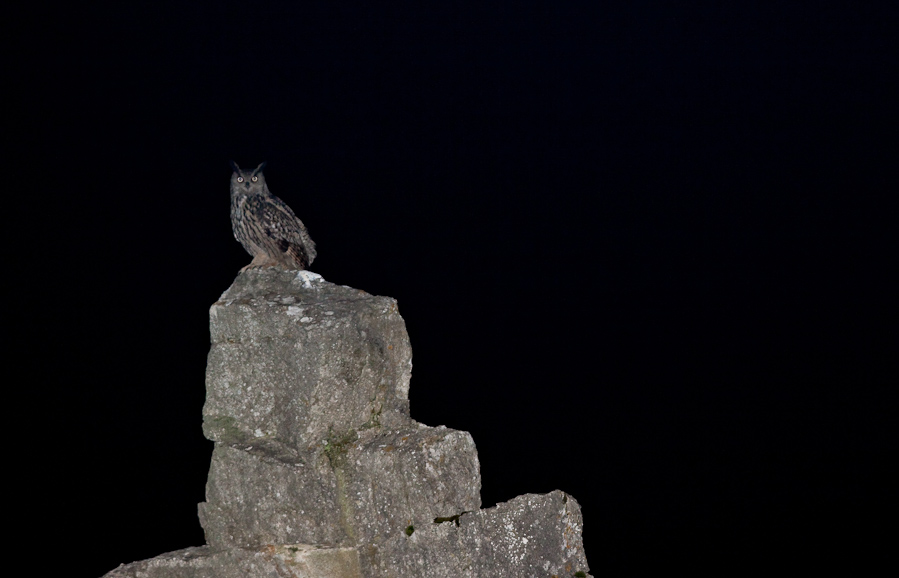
x: 234, y: 167
x: 259, y: 168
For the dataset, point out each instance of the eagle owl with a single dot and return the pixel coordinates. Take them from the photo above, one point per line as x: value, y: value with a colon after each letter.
x: 265, y: 225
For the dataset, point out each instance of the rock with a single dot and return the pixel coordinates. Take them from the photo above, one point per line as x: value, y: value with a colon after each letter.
x: 318, y: 469
x: 292, y: 561
x: 295, y: 359
x: 531, y: 535
x: 361, y: 489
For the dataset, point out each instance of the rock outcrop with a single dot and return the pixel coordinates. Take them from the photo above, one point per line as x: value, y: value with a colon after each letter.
x: 318, y: 469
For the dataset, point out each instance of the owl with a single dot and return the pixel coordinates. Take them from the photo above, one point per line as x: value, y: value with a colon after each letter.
x: 265, y: 225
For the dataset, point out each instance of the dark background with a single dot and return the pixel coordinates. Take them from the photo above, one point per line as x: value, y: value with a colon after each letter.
x: 644, y: 253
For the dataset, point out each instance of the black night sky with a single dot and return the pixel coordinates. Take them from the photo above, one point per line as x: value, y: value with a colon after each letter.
x: 644, y: 252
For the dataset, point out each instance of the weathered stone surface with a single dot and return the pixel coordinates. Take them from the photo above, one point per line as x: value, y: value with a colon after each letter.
x: 406, y: 477
x: 294, y: 358
x: 363, y: 488
x: 307, y: 401
x: 531, y: 535
x: 291, y: 561
x: 254, y: 497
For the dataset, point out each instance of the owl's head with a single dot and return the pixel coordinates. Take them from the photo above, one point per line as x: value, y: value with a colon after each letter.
x: 251, y: 182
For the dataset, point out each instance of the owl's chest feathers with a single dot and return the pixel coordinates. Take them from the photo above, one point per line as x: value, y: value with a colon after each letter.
x: 245, y: 227
x: 237, y: 205
x: 240, y: 205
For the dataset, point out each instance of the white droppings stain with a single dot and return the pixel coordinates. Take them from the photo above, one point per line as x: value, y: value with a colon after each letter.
x: 293, y: 310
x: 305, y: 319
x: 258, y: 433
x: 308, y: 277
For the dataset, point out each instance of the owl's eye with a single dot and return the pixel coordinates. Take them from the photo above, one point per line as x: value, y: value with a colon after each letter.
x: 239, y: 179
x: 255, y: 179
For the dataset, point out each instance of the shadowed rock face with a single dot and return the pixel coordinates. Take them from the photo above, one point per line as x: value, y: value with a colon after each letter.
x: 318, y: 470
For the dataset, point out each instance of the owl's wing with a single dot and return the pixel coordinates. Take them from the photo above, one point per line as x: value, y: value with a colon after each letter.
x: 280, y: 224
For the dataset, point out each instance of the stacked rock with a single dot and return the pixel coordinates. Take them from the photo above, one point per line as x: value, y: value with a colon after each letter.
x: 318, y: 469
